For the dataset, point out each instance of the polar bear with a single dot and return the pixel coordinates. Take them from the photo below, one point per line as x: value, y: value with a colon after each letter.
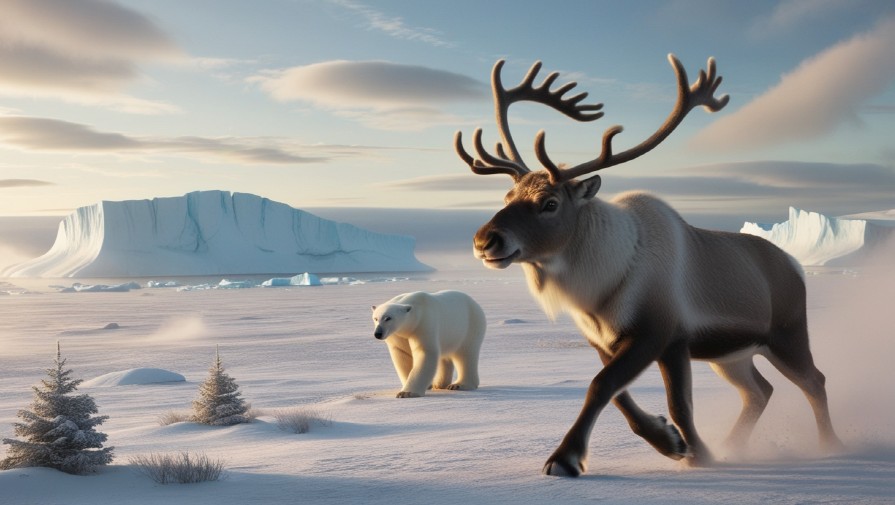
x: 428, y: 336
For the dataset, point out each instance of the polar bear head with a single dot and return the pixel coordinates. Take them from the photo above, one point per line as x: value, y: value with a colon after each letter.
x: 389, y: 318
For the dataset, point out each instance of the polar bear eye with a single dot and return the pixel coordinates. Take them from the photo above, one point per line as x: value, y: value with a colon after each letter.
x: 386, y: 319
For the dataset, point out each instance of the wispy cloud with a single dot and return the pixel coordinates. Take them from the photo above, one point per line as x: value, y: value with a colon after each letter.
x: 377, y: 93
x: 84, y: 51
x: 464, y: 181
x: 756, y: 189
x: 23, y: 183
x: 393, y: 26
x: 53, y: 135
x: 789, y: 14
x: 821, y: 94
x: 762, y: 188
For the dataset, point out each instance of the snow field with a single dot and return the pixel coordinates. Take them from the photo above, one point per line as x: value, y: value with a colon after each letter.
x: 295, y: 347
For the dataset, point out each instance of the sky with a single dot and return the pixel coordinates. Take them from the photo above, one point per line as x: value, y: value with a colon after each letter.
x: 354, y: 103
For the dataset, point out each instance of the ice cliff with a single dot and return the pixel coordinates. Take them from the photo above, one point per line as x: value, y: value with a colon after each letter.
x: 212, y: 233
x: 818, y: 240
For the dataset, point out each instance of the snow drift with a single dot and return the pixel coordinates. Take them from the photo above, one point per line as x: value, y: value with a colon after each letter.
x: 817, y: 240
x: 212, y: 233
x: 134, y: 376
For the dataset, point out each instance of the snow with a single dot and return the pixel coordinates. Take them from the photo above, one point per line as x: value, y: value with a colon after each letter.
x: 212, y: 233
x: 314, y: 347
x: 817, y: 240
x: 134, y: 376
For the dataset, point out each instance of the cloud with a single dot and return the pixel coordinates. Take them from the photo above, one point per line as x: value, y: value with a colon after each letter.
x: 378, y: 93
x: 790, y: 13
x: 718, y: 196
x: 759, y: 189
x: 84, y: 51
x: 465, y: 181
x: 393, y: 26
x: 53, y: 135
x: 23, y: 183
x: 818, y: 96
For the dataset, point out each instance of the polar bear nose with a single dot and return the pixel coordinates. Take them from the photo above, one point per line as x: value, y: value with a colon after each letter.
x: 378, y: 333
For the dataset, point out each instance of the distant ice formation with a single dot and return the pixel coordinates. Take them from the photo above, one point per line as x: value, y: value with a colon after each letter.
x: 305, y: 279
x: 212, y: 233
x: 817, y: 240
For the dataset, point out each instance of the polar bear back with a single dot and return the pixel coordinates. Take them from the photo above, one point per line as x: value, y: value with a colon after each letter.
x: 451, y: 317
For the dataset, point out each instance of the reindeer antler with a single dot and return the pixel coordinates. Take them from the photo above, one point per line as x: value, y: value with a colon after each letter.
x: 700, y: 93
x: 508, y: 161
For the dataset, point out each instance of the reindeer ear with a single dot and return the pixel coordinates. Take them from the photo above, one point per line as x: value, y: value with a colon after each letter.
x: 588, y: 188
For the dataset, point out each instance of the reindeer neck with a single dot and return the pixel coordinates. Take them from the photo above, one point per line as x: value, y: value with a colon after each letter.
x: 600, y: 253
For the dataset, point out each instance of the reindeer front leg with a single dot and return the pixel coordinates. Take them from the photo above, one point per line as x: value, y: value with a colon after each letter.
x: 570, y: 458
x: 656, y: 430
x: 676, y: 370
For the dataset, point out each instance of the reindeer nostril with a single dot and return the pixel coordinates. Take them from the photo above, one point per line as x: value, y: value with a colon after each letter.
x: 496, y: 241
x: 488, y: 240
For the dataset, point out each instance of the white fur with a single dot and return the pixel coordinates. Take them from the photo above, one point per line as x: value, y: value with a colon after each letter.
x: 428, y: 336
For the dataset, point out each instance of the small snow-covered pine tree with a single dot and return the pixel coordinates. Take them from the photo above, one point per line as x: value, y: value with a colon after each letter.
x: 59, y: 430
x: 219, y: 402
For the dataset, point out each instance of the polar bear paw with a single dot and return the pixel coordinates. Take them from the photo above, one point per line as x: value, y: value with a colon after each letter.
x: 460, y: 387
x: 407, y: 394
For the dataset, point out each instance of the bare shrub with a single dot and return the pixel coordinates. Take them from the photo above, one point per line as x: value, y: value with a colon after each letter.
x: 181, y: 468
x: 173, y: 416
x: 300, y: 419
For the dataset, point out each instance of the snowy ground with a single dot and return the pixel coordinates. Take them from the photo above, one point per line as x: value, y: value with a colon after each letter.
x: 313, y: 346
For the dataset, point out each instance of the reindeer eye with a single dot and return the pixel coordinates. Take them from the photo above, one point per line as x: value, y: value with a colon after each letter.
x: 549, y: 206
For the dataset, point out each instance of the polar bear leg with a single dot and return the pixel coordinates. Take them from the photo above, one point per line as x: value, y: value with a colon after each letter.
x: 401, y: 358
x: 467, y: 364
x: 425, y: 364
x: 445, y: 374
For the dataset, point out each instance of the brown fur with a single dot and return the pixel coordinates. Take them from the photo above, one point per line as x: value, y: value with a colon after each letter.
x: 641, y: 284
x: 644, y: 286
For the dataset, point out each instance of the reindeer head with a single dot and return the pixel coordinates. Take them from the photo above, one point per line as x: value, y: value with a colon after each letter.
x: 541, y: 209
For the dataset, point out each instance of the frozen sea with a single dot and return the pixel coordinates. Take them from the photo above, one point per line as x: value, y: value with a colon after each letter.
x: 313, y: 346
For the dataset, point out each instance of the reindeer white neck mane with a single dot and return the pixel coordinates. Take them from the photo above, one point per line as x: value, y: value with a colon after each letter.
x: 602, y: 253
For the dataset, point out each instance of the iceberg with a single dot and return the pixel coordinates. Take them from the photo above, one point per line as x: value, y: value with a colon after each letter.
x: 212, y: 233
x: 817, y: 240
x: 305, y: 279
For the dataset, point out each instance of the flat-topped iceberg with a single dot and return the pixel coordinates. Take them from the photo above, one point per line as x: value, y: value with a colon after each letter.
x: 817, y: 240
x: 212, y: 233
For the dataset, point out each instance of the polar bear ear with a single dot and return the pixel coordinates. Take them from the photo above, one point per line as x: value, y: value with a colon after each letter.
x: 373, y: 308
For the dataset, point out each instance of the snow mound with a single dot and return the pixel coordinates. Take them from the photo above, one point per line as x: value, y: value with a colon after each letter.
x: 817, y: 240
x: 134, y: 376
x: 212, y: 233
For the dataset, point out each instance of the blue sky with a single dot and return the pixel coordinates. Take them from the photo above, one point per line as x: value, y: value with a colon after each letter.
x: 353, y: 103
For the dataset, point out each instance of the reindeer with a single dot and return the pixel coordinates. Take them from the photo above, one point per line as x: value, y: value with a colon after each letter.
x: 641, y: 284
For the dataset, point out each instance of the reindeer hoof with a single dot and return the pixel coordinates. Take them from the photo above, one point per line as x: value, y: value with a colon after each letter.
x: 702, y: 459
x: 665, y: 438
x: 556, y: 466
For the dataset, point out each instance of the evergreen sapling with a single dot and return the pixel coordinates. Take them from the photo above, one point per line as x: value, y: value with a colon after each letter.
x: 59, y: 430
x: 219, y: 402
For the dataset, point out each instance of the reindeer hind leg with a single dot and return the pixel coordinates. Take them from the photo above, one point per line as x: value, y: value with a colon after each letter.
x: 796, y: 363
x: 755, y: 392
